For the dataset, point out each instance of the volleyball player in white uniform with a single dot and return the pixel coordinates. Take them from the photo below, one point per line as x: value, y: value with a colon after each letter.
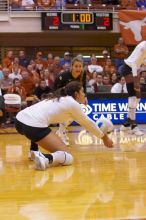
x: 130, y: 71
x: 34, y: 121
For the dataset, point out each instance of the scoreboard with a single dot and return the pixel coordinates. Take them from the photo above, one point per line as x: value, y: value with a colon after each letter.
x: 70, y: 20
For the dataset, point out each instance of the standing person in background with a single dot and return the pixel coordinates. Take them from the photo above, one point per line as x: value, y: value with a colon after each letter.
x: 120, y: 53
x: 8, y: 59
x: 34, y: 122
x: 130, y: 70
x: 23, y: 60
x: 77, y: 73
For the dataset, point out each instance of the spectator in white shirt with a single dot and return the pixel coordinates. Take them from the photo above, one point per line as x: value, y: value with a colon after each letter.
x: 28, y: 4
x: 120, y: 86
x: 15, y: 74
x: 93, y: 67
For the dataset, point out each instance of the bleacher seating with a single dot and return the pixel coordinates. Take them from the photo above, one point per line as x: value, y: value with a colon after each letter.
x: 3, y: 5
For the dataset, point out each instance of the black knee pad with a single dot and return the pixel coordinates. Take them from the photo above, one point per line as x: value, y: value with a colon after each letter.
x: 124, y: 70
x: 130, y: 89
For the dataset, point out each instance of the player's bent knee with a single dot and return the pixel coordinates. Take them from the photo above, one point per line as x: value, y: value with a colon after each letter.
x: 68, y: 159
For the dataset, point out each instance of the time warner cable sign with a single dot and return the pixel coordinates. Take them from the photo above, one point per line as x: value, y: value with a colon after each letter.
x: 114, y: 109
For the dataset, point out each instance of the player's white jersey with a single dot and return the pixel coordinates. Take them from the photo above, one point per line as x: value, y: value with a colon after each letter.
x: 56, y: 111
x: 137, y: 57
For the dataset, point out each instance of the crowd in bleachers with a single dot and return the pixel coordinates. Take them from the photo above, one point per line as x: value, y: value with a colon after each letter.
x: 72, y: 4
x: 34, y: 78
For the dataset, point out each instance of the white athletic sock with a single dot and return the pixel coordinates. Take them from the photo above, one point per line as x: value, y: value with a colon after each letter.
x: 132, y: 104
x: 58, y: 157
x: 62, y: 158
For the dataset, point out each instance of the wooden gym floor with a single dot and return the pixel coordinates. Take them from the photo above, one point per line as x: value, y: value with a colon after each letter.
x: 105, y: 184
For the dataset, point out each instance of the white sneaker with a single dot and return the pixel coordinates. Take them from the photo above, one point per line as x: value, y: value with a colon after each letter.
x: 63, y: 136
x: 123, y: 128
x: 31, y: 154
x: 137, y: 131
x: 41, y: 163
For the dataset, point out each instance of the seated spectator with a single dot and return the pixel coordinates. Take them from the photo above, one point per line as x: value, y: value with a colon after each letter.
x: 1, y: 74
x: 33, y: 73
x: 15, y: 64
x: 15, y: 73
x: 39, y: 59
x: 106, y: 80
x: 17, y: 88
x: 114, y: 78
x: 98, y: 82
x: 56, y: 66
x: 45, y: 4
x: 15, y: 4
x: 6, y: 82
x: 142, y: 68
x: 66, y: 59
x: 120, y: 86
x: 49, y: 77
x: 27, y: 83
x: 93, y: 66
x: 28, y: 4
x: 41, y: 90
x: 141, y: 3
x: 66, y: 67
x: 89, y: 89
x: 143, y: 74
x: 50, y: 59
x: 142, y: 84
x: 93, y: 78
x: 106, y: 55
x: 128, y: 4
x: 59, y: 4
x: 109, y: 67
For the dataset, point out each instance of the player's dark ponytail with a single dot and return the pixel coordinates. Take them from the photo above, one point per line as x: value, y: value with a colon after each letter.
x: 69, y: 90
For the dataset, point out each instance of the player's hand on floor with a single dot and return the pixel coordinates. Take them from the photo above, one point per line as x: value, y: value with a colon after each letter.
x: 107, y: 141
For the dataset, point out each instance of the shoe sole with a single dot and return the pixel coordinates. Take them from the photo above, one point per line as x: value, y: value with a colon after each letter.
x: 138, y: 134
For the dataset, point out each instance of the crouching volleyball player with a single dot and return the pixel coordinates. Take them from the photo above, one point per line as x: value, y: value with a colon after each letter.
x: 34, y: 121
x: 130, y: 71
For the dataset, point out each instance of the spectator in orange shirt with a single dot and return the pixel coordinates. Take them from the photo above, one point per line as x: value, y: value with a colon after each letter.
x: 109, y: 67
x: 120, y: 52
x: 33, y: 74
x: 17, y: 89
x: 27, y: 83
x: 8, y: 60
x: 50, y: 59
x: 106, y: 55
x: 39, y: 60
x: 45, y: 4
